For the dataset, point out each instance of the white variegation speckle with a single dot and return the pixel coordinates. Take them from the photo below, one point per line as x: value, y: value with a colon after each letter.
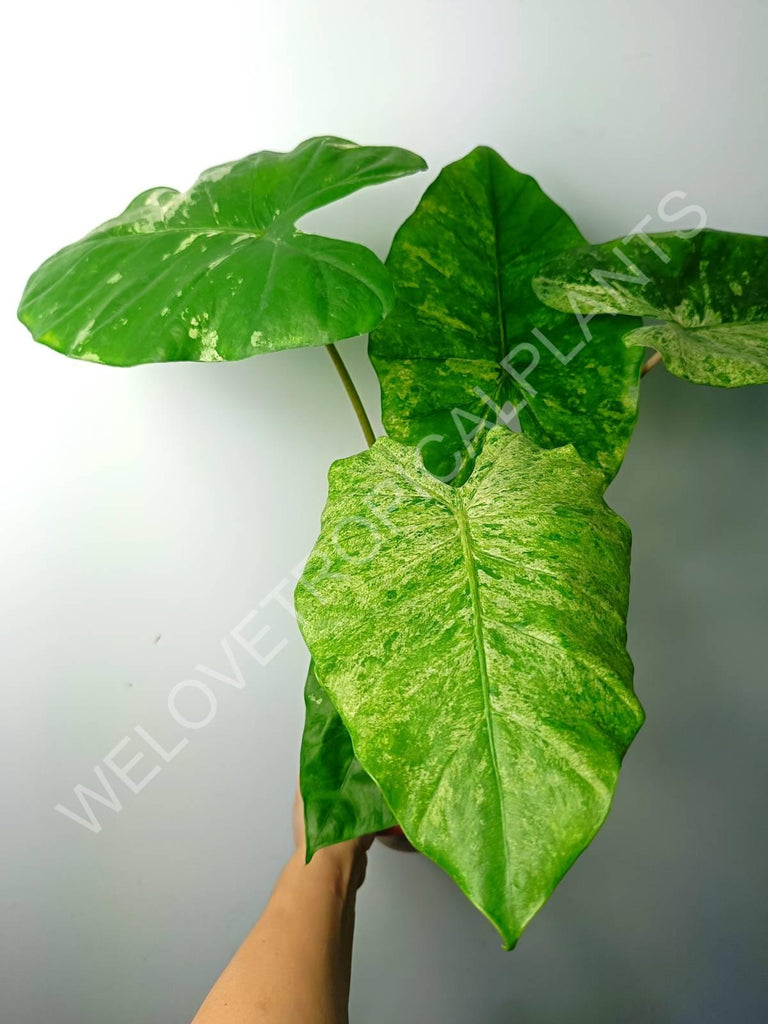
x: 186, y: 242
x: 159, y: 204
x: 165, y: 311
x: 194, y: 327
x: 240, y: 238
x: 83, y: 334
x: 214, y: 263
x: 90, y: 357
x: 209, y: 339
x: 256, y: 338
x: 217, y: 173
x: 115, y: 278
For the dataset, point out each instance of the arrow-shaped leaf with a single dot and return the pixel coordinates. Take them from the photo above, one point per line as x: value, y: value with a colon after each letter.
x: 473, y: 641
x: 710, y: 289
x: 341, y: 800
x: 220, y: 271
x: 468, y: 343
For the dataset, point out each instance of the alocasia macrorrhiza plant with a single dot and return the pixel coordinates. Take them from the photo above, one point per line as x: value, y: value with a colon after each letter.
x: 465, y: 604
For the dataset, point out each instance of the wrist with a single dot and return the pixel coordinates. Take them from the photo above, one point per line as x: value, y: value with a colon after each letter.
x: 340, y: 867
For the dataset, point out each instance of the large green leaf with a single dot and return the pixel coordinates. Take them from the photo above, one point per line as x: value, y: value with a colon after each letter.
x: 711, y: 289
x: 220, y: 271
x: 341, y: 800
x: 473, y: 641
x: 462, y: 266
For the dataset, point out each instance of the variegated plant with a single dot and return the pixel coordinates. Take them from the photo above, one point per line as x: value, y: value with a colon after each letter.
x: 465, y: 604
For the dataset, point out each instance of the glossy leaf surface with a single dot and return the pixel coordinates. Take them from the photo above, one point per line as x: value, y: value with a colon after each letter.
x: 341, y: 800
x: 468, y: 342
x: 220, y: 271
x: 473, y: 641
x: 711, y: 289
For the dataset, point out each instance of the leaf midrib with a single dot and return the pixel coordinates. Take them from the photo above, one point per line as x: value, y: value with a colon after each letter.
x: 197, y: 229
x: 467, y: 548
x: 500, y: 313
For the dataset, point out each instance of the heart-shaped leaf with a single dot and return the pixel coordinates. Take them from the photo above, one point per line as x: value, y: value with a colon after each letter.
x: 710, y: 288
x: 220, y: 271
x: 341, y: 800
x: 468, y: 343
x: 473, y: 641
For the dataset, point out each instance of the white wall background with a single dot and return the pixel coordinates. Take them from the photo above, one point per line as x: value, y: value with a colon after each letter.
x: 146, y: 512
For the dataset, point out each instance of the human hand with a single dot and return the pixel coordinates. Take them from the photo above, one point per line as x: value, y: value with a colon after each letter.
x: 350, y: 855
